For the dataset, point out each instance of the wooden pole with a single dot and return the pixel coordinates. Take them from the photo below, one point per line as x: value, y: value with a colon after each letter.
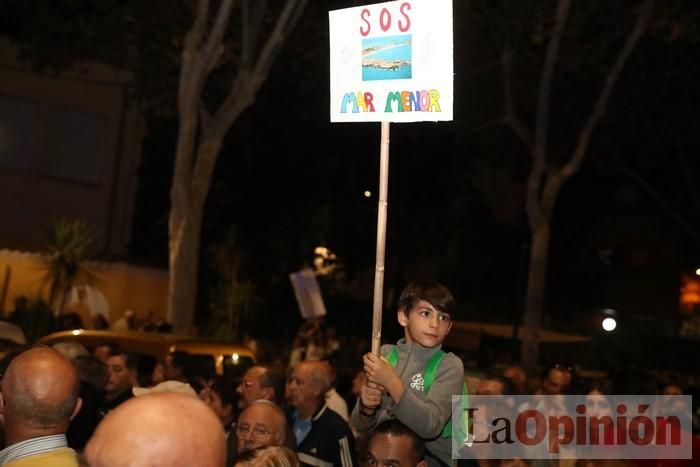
x: 381, y: 240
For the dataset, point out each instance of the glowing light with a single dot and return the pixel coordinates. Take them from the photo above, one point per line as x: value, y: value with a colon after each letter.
x: 77, y: 332
x: 697, y: 272
x: 609, y: 324
x: 234, y: 358
x: 369, y: 194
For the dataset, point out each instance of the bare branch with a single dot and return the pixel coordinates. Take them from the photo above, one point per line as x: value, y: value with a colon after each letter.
x: 490, y: 124
x: 214, y: 47
x: 691, y: 229
x: 286, y: 21
x: 509, y: 116
x: 252, y: 21
x: 599, y: 108
x: 190, y: 52
x: 545, y: 88
x: 247, y: 82
x: 550, y: 191
x: 536, y: 212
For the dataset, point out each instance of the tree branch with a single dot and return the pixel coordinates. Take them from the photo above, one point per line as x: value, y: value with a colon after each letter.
x: 599, y: 108
x: 242, y: 95
x: 662, y: 201
x: 285, y: 22
x: 190, y: 51
x: 252, y: 21
x: 545, y: 88
x: 509, y: 116
x: 214, y: 48
x: 536, y: 212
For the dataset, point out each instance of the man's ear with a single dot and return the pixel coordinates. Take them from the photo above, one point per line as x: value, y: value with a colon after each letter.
x: 268, y: 392
x: 422, y: 463
x: 402, y: 317
x: 78, y: 406
x: 318, y: 390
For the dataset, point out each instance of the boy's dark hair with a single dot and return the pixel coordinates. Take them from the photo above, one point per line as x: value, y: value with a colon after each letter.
x: 432, y: 292
x: 394, y: 427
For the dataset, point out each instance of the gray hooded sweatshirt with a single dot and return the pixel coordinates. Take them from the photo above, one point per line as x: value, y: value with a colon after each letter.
x: 426, y: 414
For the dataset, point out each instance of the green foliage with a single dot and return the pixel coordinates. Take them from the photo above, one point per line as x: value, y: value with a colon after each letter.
x: 231, y: 303
x: 232, y: 300
x: 67, y: 245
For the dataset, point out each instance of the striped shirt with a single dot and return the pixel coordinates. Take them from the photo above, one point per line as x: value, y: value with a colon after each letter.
x: 32, y: 446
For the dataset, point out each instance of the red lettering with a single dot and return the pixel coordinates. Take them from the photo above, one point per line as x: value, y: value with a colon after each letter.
x: 403, y: 27
x: 385, y: 20
x: 364, y: 15
x: 521, y: 427
x: 646, y: 425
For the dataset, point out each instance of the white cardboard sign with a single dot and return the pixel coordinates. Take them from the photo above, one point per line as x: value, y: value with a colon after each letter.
x: 392, y: 62
x: 308, y: 294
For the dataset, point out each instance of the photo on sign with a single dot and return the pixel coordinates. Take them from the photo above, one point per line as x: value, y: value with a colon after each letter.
x: 386, y: 58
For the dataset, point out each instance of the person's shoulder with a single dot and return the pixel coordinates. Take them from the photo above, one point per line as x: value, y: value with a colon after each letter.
x: 331, y: 421
x: 452, y: 361
x: 385, y: 349
x: 450, y: 357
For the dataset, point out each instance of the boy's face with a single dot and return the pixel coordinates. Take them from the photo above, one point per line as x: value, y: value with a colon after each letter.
x: 424, y: 324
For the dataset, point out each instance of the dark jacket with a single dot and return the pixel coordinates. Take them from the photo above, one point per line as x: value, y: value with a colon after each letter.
x: 329, y: 443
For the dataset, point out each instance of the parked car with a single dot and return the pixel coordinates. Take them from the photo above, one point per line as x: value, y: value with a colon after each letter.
x: 223, y: 358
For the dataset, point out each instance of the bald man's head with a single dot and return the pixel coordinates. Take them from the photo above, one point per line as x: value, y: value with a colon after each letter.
x: 158, y: 430
x: 262, y: 423
x: 40, y: 389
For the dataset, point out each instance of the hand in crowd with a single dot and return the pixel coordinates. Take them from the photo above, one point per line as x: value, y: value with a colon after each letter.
x: 371, y: 395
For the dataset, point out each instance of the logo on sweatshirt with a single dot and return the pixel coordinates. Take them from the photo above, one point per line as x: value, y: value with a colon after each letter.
x: 417, y: 382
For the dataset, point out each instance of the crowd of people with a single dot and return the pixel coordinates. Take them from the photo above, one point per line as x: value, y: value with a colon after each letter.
x: 67, y: 405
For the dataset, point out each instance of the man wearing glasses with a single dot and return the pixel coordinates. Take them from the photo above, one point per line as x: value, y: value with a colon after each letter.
x: 261, y: 424
x: 261, y: 382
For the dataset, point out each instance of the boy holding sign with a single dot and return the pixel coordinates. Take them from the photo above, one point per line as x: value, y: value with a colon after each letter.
x: 414, y: 381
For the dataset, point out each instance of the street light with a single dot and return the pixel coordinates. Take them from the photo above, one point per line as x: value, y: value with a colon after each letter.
x: 609, y: 324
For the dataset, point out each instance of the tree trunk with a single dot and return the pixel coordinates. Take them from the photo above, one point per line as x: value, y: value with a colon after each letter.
x: 546, y: 179
x: 184, y: 256
x: 534, y: 296
x: 199, y: 143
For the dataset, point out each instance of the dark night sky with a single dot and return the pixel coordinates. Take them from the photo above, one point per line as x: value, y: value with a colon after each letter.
x: 293, y: 180
x: 289, y: 180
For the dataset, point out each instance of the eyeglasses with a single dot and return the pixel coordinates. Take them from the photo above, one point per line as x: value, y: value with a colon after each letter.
x: 258, y: 432
x: 565, y: 368
x: 247, y: 383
